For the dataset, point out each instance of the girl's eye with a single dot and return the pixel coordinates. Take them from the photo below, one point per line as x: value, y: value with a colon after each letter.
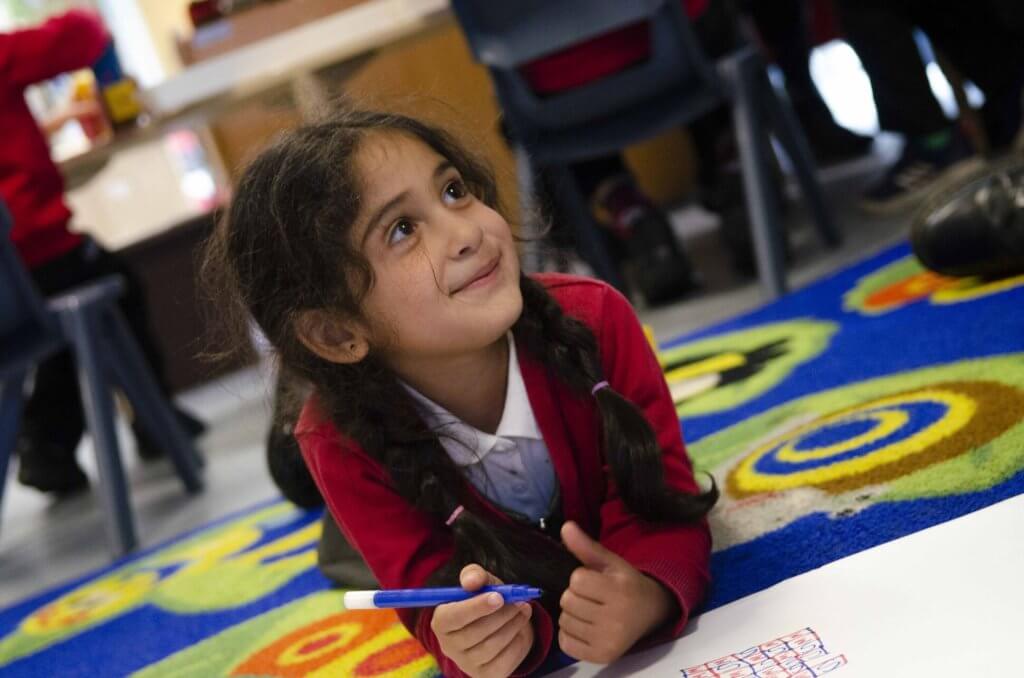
x: 455, y: 190
x: 402, y: 229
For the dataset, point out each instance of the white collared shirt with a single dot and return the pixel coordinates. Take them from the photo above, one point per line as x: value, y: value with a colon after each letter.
x: 512, y: 467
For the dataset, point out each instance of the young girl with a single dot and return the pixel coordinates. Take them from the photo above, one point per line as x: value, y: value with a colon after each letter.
x: 469, y: 424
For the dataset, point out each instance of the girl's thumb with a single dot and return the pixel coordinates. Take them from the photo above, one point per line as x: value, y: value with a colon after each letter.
x: 591, y: 553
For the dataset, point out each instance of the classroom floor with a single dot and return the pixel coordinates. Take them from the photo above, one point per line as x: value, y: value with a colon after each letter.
x: 43, y: 543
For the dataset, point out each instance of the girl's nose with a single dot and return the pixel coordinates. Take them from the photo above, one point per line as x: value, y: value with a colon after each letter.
x: 465, y: 236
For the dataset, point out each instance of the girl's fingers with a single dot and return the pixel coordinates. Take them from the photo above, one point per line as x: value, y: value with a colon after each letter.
x: 592, y: 586
x: 473, y: 577
x: 573, y: 646
x: 578, y: 606
x: 506, y: 661
x: 475, y: 633
x: 490, y: 647
x: 576, y: 627
x: 451, y: 617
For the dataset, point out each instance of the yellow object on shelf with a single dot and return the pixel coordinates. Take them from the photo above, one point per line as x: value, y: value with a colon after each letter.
x: 122, y: 101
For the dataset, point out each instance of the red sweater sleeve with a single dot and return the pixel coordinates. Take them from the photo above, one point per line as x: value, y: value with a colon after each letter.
x: 677, y: 556
x: 401, y: 544
x: 64, y: 43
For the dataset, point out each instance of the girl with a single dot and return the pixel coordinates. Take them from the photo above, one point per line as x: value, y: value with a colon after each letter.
x: 470, y: 424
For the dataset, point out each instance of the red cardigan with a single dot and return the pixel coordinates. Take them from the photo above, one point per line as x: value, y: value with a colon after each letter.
x: 404, y: 546
x: 30, y: 183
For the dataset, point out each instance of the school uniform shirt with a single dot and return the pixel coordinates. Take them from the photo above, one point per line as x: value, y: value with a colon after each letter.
x: 511, y: 467
x: 405, y: 546
x: 30, y: 182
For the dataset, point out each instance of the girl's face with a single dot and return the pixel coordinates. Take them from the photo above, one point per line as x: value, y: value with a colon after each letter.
x: 445, y: 265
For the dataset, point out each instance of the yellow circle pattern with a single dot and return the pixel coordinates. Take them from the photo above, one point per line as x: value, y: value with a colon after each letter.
x: 887, y: 422
x: 745, y: 479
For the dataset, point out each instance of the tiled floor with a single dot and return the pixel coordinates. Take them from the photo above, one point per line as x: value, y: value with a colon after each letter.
x: 43, y: 543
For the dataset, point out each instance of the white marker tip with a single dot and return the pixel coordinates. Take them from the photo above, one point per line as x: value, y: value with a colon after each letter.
x: 359, y: 600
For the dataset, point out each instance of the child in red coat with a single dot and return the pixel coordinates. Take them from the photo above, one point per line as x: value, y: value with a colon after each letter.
x: 469, y: 423
x: 58, y: 258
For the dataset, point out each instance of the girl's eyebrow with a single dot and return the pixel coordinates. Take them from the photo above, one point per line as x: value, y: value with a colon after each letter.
x: 378, y: 214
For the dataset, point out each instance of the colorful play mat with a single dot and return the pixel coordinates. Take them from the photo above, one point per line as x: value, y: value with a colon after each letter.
x: 875, y: 403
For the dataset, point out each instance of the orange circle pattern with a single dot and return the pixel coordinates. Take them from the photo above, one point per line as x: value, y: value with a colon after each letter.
x: 321, y: 643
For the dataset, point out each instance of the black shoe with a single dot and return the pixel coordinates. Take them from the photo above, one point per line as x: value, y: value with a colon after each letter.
x: 978, y: 229
x: 150, y: 450
x: 48, y: 467
x: 919, y: 172
x: 661, y: 271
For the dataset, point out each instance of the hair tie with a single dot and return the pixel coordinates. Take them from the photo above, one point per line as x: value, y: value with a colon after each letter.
x: 598, y: 386
x: 455, y: 514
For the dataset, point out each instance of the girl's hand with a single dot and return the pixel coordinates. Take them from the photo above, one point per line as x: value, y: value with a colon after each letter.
x: 482, y: 635
x: 609, y: 604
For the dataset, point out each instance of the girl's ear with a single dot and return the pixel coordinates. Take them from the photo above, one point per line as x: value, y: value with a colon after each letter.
x: 332, y: 338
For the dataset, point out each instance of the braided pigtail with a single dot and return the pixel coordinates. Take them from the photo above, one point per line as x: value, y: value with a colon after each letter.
x: 512, y: 555
x: 568, y: 348
x: 388, y: 427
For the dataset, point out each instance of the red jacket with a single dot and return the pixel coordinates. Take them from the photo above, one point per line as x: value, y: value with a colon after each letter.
x: 30, y: 183
x: 404, y: 546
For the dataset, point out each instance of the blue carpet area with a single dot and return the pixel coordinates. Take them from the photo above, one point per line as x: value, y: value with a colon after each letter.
x: 872, y: 404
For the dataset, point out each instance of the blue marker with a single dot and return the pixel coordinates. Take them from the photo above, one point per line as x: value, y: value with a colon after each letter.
x: 371, y: 600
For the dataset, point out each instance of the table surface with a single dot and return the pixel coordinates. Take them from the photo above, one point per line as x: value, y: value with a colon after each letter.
x: 941, y: 602
x: 275, y: 60
x: 199, y: 93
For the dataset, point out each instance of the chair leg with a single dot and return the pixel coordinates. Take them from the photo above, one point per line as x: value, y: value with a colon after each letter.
x: 589, y: 239
x: 786, y: 127
x: 12, y: 402
x: 98, y: 403
x: 742, y: 72
x: 133, y: 377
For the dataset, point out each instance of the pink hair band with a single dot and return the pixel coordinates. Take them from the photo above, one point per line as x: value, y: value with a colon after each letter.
x: 455, y: 514
x: 598, y: 386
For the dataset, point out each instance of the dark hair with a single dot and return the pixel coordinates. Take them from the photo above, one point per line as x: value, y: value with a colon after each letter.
x: 284, y: 247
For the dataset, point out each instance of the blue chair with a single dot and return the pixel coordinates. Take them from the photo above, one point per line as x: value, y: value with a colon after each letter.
x: 86, y: 320
x: 674, y: 86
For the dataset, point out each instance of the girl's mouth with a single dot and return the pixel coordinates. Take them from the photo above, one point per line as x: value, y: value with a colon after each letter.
x: 484, y: 276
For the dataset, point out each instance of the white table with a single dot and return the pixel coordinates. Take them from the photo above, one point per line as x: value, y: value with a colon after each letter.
x: 200, y: 92
x: 276, y: 60
x: 943, y: 602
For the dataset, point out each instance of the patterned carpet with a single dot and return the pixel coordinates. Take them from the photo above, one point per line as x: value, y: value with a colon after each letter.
x: 875, y: 403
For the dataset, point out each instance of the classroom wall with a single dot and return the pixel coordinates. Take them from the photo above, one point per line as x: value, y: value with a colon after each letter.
x: 165, y: 19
